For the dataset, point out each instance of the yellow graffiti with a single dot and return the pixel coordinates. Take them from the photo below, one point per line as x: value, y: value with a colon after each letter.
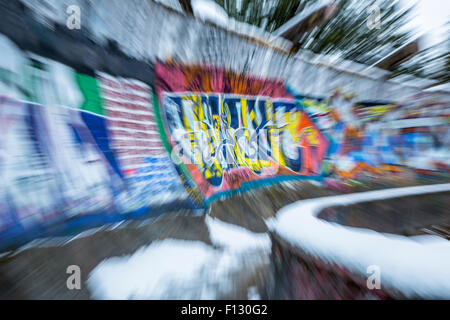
x: 255, y: 134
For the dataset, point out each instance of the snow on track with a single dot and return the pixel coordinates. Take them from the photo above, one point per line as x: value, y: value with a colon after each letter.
x: 416, y: 266
x: 178, y: 269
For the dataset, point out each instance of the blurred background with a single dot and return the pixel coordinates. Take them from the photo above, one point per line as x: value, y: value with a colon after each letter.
x: 215, y: 149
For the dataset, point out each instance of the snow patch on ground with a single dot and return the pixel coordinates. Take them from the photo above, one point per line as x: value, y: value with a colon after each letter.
x: 236, y: 238
x: 253, y: 294
x: 178, y: 269
x: 414, y: 265
x: 151, y: 272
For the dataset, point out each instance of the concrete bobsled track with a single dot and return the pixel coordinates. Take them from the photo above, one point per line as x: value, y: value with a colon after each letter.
x: 165, y: 159
x: 152, y: 259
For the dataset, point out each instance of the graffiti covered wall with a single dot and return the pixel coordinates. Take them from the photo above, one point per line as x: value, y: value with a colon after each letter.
x: 89, y: 147
x: 77, y: 150
x: 373, y: 138
x: 232, y: 131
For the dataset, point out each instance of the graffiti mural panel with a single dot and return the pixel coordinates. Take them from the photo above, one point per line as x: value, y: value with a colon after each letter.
x: 51, y: 166
x: 78, y: 151
x: 377, y: 137
x: 144, y: 163
x: 232, y: 131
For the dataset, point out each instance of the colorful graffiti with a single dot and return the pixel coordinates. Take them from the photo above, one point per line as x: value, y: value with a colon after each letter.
x: 80, y: 150
x: 229, y: 129
x: 144, y: 163
x: 77, y: 150
x: 376, y: 137
x: 51, y: 165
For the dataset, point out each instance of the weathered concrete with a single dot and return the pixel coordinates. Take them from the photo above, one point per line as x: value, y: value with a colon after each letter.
x: 40, y: 272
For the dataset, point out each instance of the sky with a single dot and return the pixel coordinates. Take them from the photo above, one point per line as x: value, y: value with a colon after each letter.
x: 429, y: 16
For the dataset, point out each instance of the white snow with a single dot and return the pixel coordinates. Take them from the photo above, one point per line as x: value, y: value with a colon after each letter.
x: 210, y: 11
x: 414, y: 265
x: 178, y: 269
x: 252, y: 294
x: 151, y: 272
x: 236, y: 238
